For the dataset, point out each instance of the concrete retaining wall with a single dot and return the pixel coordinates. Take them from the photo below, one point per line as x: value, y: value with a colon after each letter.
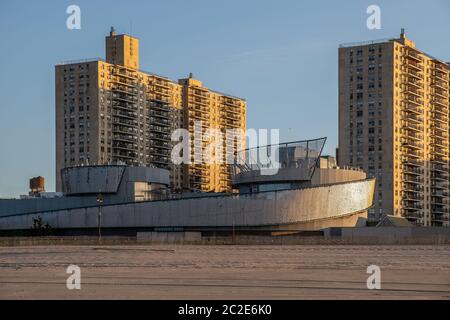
x: 434, y: 236
x: 389, y: 235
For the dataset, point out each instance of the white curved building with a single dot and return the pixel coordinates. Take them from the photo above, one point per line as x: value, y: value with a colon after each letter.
x: 296, y: 196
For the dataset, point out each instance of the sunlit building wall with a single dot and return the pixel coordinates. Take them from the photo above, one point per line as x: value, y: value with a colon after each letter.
x: 394, y: 124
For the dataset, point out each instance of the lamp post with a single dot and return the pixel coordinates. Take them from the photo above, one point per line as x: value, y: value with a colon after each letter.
x: 99, y: 216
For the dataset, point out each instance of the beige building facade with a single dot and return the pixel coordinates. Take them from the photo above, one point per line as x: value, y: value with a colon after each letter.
x: 109, y: 111
x: 394, y: 124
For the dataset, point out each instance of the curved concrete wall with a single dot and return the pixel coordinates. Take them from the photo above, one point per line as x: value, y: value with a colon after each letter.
x: 249, y: 210
x: 108, y: 178
x: 334, y: 175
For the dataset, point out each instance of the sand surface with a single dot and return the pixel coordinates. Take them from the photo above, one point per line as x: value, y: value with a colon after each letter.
x: 225, y: 272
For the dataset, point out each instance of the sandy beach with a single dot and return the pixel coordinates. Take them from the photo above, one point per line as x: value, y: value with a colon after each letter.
x: 225, y: 272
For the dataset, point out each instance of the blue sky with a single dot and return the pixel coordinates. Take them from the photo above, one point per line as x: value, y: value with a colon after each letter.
x: 279, y: 55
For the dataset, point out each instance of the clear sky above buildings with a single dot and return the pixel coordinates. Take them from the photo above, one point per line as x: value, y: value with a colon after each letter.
x: 279, y: 55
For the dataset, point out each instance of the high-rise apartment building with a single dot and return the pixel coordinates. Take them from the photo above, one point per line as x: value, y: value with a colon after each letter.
x: 205, y: 110
x: 110, y: 111
x: 394, y: 124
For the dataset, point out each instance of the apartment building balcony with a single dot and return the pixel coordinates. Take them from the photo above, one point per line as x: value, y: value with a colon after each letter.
x: 410, y: 197
x: 441, y: 76
x: 158, y: 98
x: 441, y: 134
x: 439, y: 126
x: 203, y: 102
x: 439, y: 102
x: 159, y: 122
x: 200, y: 93
x: 161, y: 84
x: 412, y: 206
x: 412, y: 90
x: 124, y: 90
x: 118, y: 145
x: 439, y: 210
x: 124, y: 105
x: 440, y: 152
x: 411, y: 212
x: 441, y: 84
x: 158, y: 91
x: 411, y: 109
x: 415, y: 116
x: 232, y: 102
x: 440, y: 175
x: 417, y: 171
x: 124, y: 130
x: 412, y: 133
x: 439, y: 145
x: 439, y: 159
x: 121, y: 72
x: 131, y: 84
x: 439, y: 115
x: 199, y: 103
x: 159, y: 114
x: 199, y: 107
x: 412, y: 183
x: 159, y: 129
x: 414, y: 100
x: 412, y: 178
x: 125, y: 138
x: 414, y: 65
x: 195, y: 170
x: 159, y: 136
x: 438, y: 167
x: 204, y: 124
x: 411, y: 144
x: 199, y: 115
x: 410, y: 161
x: 230, y: 115
x: 125, y: 114
x: 440, y: 218
x: 441, y: 185
x: 415, y: 74
x: 200, y: 177
x: 438, y: 196
x: 160, y: 162
x: 411, y: 54
x: 158, y: 106
x: 440, y: 67
x: 231, y: 124
x: 124, y: 122
x: 413, y: 82
x: 443, y: 94
x: 202, y: 107
x: 439, y: 142
x: 200, y: 166
x: 124, y: 154
x: 125, y: 98
x: 158, y: 151
x: 159, y: 144
x: 233, y: 110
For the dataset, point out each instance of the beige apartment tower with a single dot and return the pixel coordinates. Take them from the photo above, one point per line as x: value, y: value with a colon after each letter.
x: 111, y: 112
x: 394, y: 124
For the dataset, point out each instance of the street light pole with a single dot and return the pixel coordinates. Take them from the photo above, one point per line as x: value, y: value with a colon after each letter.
x: 99, y: 216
